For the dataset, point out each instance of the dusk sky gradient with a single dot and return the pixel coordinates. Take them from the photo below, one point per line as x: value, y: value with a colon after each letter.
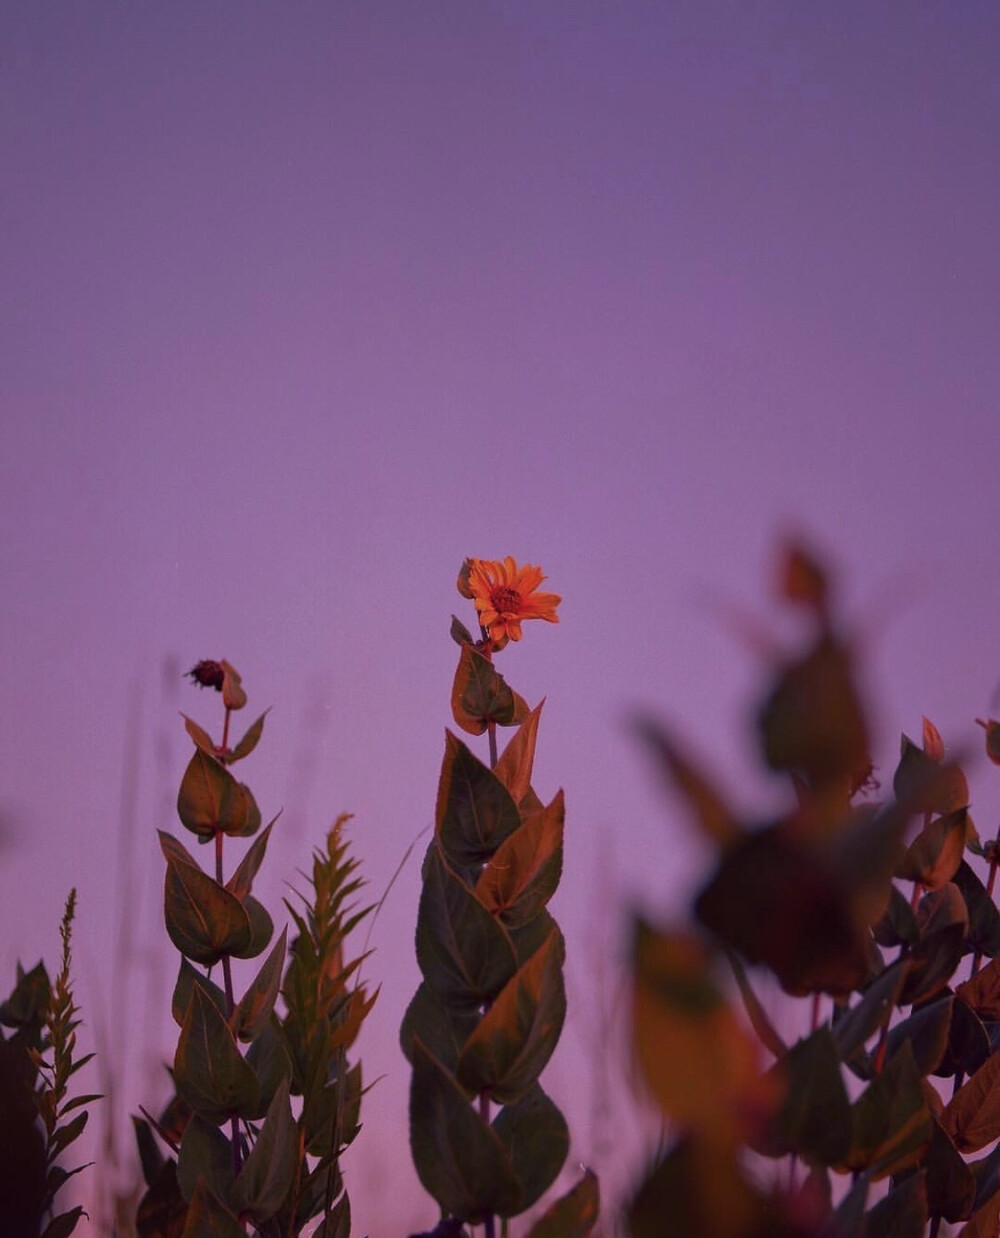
x: 302, y: 303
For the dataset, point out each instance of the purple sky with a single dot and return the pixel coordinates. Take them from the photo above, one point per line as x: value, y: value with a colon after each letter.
x: 304, y: 302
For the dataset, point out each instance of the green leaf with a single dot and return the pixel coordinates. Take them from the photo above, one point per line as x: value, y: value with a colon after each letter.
x: 241, y: 882
x: 187, y: 978
x: 209, y: 1071
x: 210, y: 799
x: 205, y: 1153
x: 269, y: 1170
x: 903, y: 1212
x: 249, y: 741
x: 927, y: 1031
x: 261, y: 929
x: 204, y: 921
x: 479, y: 694
x: 442, y: 1030
x: 459, y: 1158
x: 466, y: 957
x: 252, y: 1014
x: 207, y: 1218
x: 516, y: 1037
x: 891, y: 1122
x: 951, y: 1184
x: 536, y: 1137
x: 815, y: 1118
x: 972, y: 1116
x: 925, y: 785
x: 475, y: 811
x: 524, y: 872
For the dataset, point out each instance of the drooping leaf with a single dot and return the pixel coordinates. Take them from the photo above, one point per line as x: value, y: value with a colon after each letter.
x: 203, y: 920
x: 459, y: 1158
x: 574, y: 1215
x: 536, y: 1137
x: 698, y: 1061
x: 517, y: 760
x: 268, y: 1172
x: 524, y: 872
x: 479, y: 694
x: 509, y: 1048
x: 465, y: 955
x: 972, y: 1116
x: 205, y: 1153
x: 209, y: 1071
x: 442, y: 1030
x: 891, y: 1121
x: 254, y: 1008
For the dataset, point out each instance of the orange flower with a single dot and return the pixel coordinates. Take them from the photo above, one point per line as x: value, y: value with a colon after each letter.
x: 505, y: 596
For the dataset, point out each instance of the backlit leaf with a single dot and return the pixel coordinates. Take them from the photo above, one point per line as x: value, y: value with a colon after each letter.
x: 972, y: 1116
x: 517, y: 760
x: 524, y: 872
x: 815, y: 1116
x: 269, y: 1170
x: 209, y: 1071
x: 442, y: 1029
x: 241, y: 882
x: 254, y: 1009
x: 935, y: 854
x: 210, y: 799
x: 201, y: 737
x: 927, y: 1031
x: 536, y: 1137
x: 249, y: 741
x: 479, y: 694
x: 261, y: 929
x: 204, y: 921
x: 181, y: 999
x: 925, y: 785
x: 951, y: 1185
x: 205, y: 1153
x: 475, y: 811
x: 891, y: 1122
x: 984, y: 918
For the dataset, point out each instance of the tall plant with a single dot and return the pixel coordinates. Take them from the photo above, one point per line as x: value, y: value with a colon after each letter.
x: 247, y: 1151
x: 864, y: 908
x: 486, y: 1140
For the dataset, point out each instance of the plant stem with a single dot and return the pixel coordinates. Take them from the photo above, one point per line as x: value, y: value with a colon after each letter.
x: 227, y: 974
x: 484, y: 1112
x: 225, y: 730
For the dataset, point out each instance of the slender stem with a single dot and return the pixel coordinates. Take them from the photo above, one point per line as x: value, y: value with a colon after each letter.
x: 225, y: 730
x: 489, y: 1226
x: 227, y: 974
x: 491, y: 731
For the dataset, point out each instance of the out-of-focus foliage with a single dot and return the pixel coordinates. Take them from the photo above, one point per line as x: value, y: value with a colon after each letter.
x: 266, y: 1097
x: 867, y: 908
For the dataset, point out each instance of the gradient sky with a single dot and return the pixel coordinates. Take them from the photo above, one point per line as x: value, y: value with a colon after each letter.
x: 304, y: 302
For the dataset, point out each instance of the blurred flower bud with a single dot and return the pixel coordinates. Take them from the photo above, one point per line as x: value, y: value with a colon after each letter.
x: 208, y: 674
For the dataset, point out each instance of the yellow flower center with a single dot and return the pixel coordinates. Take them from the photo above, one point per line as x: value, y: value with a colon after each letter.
x: 505, y: 600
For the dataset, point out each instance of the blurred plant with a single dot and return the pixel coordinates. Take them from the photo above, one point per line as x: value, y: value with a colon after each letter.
x: 488, y: 1014
x: 276, y: 1170
x: 37, y: 1064
x: 813, y: 897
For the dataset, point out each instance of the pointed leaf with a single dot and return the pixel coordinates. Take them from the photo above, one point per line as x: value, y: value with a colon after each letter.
x: 241, y: 882
x: 536, y: 1137
x: 891, y: 1122
x: 927, y: 1031
x: 204, y: 921
x: 205, y: 1153
x: 460, y: 634
x: 524, y: 872
x: 758, y: 1016
x: 517, y: 760
x: 269, y: 1170
x: 442, y: 1030
x: 984, y: 917
x: 815, y: 1117
x: 926, y: 786
x: 903, y: 1212
x: 982, y: 992
x: 186, y: 979
x: 201, y: 737
x: 209, y: 1071
x: 459, y: 1158
x: 935, y: 854
x: 475, y: 811
x: 249, y: 741
x: 509, y: 1048
x: 951, y: 1185
x: 466, y: 956
x: 479, y: 694
x: 972, y: 1116
x: 254, y: 1009
x: 261, y: 929
x: 207, y: 1218
x: 898, y: 925
x: 854, y: 1028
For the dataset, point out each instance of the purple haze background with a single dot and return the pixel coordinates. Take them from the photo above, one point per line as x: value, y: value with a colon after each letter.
x: 303, y: 303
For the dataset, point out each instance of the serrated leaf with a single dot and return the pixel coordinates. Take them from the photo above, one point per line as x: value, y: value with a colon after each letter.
x: 209, y: 1071
x: 254, y: 1009
x: 249, y: 741
x: 524, y: 873
x: 269, y: 1170
x: 475, y: 811
x: 536, y: 1137
x: 466, y: 956
x: 459, y: 1158
x: 509, y: 1048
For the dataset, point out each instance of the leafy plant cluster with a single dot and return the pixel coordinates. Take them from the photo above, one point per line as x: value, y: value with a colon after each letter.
x: 243, y: 1153
x: 487, y: 1141
x: 870, y: 910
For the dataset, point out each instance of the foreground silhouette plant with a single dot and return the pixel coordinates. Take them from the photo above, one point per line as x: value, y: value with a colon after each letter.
x: 243, y: 1155
x: 486, y: 1140
x: 36, y: 1065
x: 814, y: 897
